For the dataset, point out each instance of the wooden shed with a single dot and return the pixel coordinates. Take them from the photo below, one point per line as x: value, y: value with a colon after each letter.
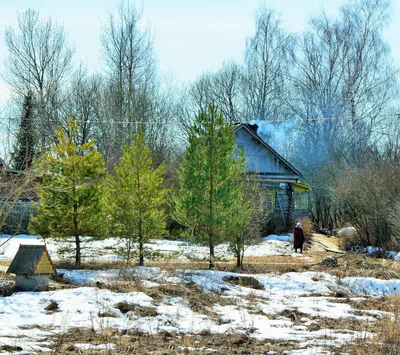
x: 287, y: 197
x: 33, y: 266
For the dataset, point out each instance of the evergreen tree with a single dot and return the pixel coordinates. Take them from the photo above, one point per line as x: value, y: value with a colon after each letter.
x: 25, y: 143
x: 70, y: 192
x: 135, y: 198
x: 210, y: 194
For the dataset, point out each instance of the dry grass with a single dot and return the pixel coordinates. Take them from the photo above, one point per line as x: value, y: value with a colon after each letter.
x: 342, y: 324
x: 92, y: 264
x: 385, y: 304
x: 198, y: 300
x: 166, y: 343
x: 308, y: 227
x: 139, y: 311
x: 387, y: 330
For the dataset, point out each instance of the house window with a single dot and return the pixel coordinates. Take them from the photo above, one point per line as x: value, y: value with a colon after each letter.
x: 270, y: 201
x: 301, y: 201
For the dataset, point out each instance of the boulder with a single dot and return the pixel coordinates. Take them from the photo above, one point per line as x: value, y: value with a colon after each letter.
x: 348, y: 232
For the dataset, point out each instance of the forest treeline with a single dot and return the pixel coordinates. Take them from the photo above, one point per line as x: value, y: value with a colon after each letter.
x: 326, y: 99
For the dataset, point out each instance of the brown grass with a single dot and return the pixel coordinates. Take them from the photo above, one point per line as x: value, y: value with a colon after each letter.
x: 139, y: 311
x: 199, y: 301
x: 387, y: 339
x: 342, y: 324
x: 166, y: 343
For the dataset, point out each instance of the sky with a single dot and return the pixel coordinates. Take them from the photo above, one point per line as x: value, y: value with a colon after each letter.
x: 191, y: 36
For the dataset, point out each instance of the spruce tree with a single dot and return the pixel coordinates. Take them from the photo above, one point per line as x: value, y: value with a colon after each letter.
x: 25, y: 143
x: 210, y: 193
x: 135, y: 198
x: 70, y: 192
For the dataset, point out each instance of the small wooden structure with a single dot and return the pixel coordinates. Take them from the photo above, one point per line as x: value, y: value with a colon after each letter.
x: 33, y: 266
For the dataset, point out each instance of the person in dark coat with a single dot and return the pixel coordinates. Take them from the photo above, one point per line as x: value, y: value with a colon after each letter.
x: 298, y: 237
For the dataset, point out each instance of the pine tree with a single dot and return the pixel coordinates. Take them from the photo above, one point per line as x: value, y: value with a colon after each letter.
x: 70, y: 192
x: 210, y: 194
x: 25, y: 143
x: 135, y: 198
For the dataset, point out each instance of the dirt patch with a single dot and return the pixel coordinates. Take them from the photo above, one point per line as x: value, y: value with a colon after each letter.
x: 244, y: 281
x: 52, y: 307
x: 9, y: 348
x: 6, y: 288
x: 293, y: 314
x: 139, y: 311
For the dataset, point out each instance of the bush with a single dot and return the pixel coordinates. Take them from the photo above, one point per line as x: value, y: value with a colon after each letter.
x: 365, y: 196
x: 308, y: 227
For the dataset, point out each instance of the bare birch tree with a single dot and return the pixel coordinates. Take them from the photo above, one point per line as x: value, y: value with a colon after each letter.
x: 133, y: 91
x: 266, y: 68
x: 39, y: 60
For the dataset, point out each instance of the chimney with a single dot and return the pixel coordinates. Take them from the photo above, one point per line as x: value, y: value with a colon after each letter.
x: 253, y: 127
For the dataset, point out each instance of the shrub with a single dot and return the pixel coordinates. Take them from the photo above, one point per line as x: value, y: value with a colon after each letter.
x: 365, y: 196
x: 308, y: 227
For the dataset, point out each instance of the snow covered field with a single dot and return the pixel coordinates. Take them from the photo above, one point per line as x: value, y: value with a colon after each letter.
x: 302, y: 309
x: 262, y: 313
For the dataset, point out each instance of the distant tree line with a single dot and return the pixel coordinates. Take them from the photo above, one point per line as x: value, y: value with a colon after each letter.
x: 333, y: 90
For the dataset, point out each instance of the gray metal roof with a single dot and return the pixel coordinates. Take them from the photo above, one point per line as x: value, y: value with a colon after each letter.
x: 26, y: 259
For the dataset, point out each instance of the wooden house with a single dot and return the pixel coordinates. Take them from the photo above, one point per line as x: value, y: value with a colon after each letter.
x: 287, y: 198
x: 32, y: 266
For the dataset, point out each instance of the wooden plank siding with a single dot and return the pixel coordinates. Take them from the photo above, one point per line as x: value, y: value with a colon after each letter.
x: 44, y: 266
x: 258, y: 159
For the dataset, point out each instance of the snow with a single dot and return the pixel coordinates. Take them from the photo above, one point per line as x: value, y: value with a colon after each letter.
x: 282, y: 238
x: 170, y: 249
x: 24, y: 314
x: 24, y: 321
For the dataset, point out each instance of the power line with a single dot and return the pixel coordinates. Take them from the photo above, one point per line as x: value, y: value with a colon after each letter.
x: 271, y: 121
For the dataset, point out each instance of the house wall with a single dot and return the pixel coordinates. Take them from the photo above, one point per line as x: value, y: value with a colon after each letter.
x: 258, y: 158
x: 32, y: 282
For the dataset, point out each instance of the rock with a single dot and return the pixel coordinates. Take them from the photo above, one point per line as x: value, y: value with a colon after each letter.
x: 348, y: 232
x: 52, y: 307
x: 329, y: 261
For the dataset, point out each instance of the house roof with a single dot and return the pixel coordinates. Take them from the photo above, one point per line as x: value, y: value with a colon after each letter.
x: 27, y: 258
x: 302, y: 186
x: 252, y: 132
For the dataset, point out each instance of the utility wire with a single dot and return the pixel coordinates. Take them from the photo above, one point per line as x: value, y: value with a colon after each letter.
x: 271, y: 121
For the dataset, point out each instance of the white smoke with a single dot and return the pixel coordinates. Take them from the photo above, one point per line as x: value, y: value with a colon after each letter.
x: 279, y: 135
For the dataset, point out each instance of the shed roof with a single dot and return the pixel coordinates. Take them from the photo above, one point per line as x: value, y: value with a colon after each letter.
x: 27, y: 259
